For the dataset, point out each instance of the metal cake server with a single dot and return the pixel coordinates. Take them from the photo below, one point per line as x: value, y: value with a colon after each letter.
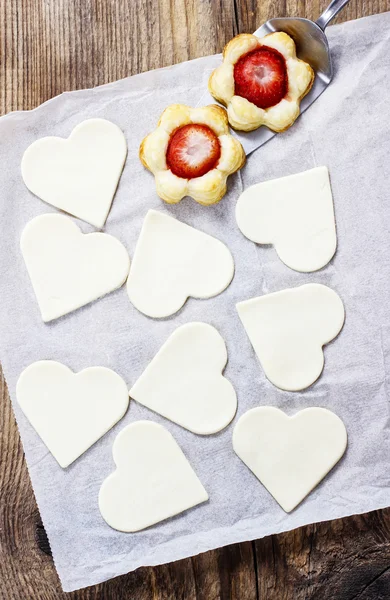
x: 312, y: 47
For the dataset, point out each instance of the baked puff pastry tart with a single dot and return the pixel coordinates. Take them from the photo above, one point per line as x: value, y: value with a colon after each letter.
x: 261, y: 81
x: 192, y: 153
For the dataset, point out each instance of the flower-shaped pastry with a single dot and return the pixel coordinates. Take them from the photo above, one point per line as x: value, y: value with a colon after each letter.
x: 261, y: 81
x: 191, y: 153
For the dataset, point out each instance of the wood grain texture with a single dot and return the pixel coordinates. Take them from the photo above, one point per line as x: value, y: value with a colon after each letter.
x: 49, y: 46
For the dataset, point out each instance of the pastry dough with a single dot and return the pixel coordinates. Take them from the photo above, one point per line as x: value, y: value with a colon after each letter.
x: 289, y: 455
x: 210, y: 187
x: 293, y: 213
x: 173, y: 261
x: 67, y: 268
x: 153, y: 480
x: 71, y: 411
x: 288, y: 330
x: 80, y: 174
x: 243, y: 114
x: 184, y: 382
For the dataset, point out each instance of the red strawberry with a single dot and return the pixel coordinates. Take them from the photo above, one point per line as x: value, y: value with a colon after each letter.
x: 261, y: 77
x: 193, y: 150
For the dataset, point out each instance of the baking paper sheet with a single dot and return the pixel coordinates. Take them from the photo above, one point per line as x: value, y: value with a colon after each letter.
x: 347, y: 129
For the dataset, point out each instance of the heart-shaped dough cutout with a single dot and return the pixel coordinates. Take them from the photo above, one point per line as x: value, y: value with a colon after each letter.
x: 67, y: 268
x: 80, y: 174
x: 71, y: 411
x: 173, y: 261
x: 288, y: 329
x: 295, y: 214
x: 184, y: 381
x: 289, y: 455
x: 153, y: 480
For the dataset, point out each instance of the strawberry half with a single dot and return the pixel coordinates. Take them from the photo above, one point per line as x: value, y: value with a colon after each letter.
x: 193, y: 150
x: 261, y: 77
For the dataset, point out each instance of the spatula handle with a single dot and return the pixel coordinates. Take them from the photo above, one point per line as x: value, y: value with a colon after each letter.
x: 330, y: 12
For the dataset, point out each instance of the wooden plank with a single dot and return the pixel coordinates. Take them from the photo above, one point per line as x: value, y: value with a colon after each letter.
x: 343, y: 559
x: 49, y: 46
x: 55, y: 45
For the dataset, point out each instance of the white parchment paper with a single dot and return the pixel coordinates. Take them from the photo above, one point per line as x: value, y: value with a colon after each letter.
x: 347, y: 129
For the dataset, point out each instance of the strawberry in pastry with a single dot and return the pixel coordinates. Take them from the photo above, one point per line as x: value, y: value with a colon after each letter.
x: 193, y: 150
x: 261, y: 77
x: 192, y: 153
x: 261, y: 81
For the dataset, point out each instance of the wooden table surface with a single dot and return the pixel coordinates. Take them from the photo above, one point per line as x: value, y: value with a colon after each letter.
x: 48, y: 46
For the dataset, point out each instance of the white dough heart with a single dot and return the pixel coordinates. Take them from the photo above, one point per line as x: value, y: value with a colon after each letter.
x: 184, y: 381
x: 80, y: 174
x: 173, y: 261
x: 289, y: 455
x: 71, y: 411
x: 295, y: 214
x: 67, y: 268
x: 287, y: 329
x: 153, y: 480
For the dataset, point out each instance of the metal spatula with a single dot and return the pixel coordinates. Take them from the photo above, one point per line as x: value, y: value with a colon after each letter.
x: 312, y: 47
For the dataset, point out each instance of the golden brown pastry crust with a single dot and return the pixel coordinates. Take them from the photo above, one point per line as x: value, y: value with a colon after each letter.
x: 246, y: 116
x: 209, y: 188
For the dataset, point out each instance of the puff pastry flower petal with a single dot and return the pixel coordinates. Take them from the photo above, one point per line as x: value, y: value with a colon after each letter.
x: 261, y: 81
x: 192, y: 153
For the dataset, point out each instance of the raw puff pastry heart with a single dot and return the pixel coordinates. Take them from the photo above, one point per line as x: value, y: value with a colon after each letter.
x: 153, y: 480
x: 80, y: 174
x: 173, y: 261
x: 295, y: 214
x: 287, y: 329
x: 67, y: 268
x: 289, y: 455
x: 184, y: 382
x: 70, y: 411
